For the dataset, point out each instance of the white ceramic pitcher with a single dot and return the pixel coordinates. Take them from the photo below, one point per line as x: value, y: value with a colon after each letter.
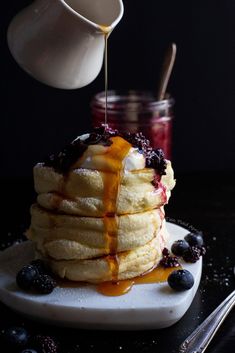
x: 61, y: 43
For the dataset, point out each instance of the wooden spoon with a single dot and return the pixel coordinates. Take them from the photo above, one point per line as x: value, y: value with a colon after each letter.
x: 166, y: 71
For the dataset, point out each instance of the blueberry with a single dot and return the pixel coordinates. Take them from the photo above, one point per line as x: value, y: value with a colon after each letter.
x: 26, y: 276
x: 180, y: 280
x: 14, y: 337
x: 179, y: 246
x: 40, y: 266
x: 44, y: 284
x: 29, y: 350
x: 194, y: 239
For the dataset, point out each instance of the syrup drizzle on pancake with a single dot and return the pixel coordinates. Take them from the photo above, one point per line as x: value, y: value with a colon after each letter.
x: 115, y: 155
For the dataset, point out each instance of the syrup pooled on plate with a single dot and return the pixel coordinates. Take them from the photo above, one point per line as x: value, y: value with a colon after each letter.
x: 116, y: 288
x: 157, y: 275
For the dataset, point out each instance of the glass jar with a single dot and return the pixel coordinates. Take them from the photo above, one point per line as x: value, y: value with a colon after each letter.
x: 137, y: 111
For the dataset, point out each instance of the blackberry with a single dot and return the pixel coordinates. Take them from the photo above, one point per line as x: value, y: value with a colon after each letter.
x: 26, y: 276
x: 167, y: 260
x: 180, y: 280
x: 165, y: 252
x: 192, y: 254
x: 179, y: 246
x: 44, y: 344
x: 194, y: 239
x: 14, y: 337
x: 203, y: 250
x: 44, y: 284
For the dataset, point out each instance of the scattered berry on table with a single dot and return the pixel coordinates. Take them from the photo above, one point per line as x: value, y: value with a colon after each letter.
x: 194, y: 239
x: 44, y: 284
x: 44, y: 344
x: 180, y: 280
x: 14, y: 337
x: 26, y: 276
x: 179, y: 246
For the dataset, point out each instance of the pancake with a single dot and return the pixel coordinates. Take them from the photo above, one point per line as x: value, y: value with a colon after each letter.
x: 72, y: 237
x: 81, y: 192
x: 130, y: 264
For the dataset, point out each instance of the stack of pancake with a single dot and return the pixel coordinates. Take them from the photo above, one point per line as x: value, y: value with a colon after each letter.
x: 99, y: 213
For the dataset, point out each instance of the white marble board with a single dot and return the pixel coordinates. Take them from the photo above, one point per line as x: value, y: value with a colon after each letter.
x: 146, y: 306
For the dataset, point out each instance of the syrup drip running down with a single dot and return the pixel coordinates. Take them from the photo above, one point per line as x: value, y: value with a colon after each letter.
x: 115, y: 155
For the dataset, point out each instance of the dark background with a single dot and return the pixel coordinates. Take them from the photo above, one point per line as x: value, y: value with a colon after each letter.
x: 37, y: 119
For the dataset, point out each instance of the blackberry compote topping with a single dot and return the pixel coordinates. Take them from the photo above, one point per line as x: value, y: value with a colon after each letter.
x: 67, y: 157
x: 138, y: 140
x: 63, y: 161
x: 167, y: 260
x: 154, y: 158
x: 180, y: 280
x: 101, y: 135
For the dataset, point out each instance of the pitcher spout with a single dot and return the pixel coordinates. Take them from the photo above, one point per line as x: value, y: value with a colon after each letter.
x: 104, y: 15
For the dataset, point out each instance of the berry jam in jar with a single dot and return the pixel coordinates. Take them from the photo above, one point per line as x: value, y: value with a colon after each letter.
x: 136, y: 111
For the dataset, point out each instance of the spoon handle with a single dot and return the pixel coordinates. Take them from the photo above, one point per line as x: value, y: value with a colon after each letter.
x: 166, y: 71
x: 199, y: 340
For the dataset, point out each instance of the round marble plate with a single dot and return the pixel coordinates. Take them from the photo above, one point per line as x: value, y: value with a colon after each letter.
x: 146, y: 306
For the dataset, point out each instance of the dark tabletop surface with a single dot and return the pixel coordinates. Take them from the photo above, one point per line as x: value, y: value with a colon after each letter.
x: 204, y: 202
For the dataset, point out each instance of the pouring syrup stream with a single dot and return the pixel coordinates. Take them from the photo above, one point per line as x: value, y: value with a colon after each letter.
x: 106, y: 30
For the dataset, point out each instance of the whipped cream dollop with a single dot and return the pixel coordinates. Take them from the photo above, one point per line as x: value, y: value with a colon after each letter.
x: 134, y: 160
x: 96, y: 157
